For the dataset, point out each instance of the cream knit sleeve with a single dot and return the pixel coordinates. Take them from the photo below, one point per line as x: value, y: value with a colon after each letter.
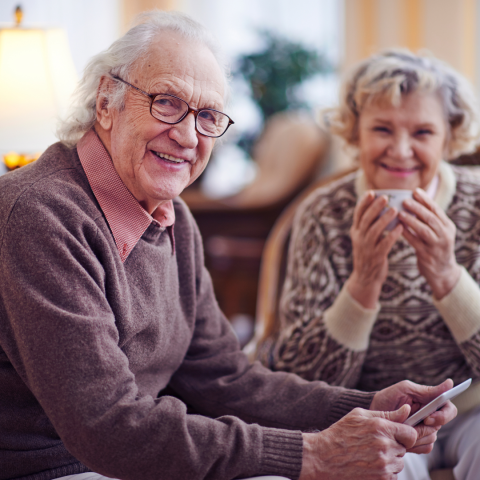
x: 349, y: 323
x: 460, y: 309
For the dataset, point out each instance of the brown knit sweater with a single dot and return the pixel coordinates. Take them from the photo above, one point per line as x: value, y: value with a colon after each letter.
x: 327, y: 335
x: 87, y: 344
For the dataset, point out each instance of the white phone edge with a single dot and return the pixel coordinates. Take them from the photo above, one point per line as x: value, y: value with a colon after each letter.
x: 431, y: 407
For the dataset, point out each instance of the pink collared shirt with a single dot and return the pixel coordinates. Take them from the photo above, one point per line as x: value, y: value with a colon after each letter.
x: 127, y: 219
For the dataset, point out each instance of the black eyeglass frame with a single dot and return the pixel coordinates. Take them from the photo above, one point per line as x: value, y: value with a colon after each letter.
x: 195, y: 111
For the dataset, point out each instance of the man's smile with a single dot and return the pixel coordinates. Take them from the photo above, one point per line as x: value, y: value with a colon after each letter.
x: 169, y: 158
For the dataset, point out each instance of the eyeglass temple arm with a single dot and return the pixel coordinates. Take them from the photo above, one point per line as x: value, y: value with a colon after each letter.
x: 133, y: 86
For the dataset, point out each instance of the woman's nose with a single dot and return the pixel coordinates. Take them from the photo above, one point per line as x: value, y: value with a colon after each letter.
x: 401, y: 147
x: 184, y: 133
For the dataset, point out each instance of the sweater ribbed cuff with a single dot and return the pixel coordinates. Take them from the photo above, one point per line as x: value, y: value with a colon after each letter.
x: 349, y: 323
x: 348, y: 401
x: 460, y: 308
x: 58, y: 472
x: 282, y: 453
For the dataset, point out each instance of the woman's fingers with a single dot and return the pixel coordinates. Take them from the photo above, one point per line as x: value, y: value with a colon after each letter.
x: 365, y: 201
x: 412, y: 239
x: 389, y: 240
x: 421, y: 230
x: 373, y: 217
x: 424, y: 215
x: 368, y: 218
x: 368, y: 210
x: 421, y: 197
x: 377, y: 229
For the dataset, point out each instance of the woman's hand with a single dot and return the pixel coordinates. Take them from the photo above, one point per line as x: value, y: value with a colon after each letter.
x: 371, y: 248
x: 432, y: 234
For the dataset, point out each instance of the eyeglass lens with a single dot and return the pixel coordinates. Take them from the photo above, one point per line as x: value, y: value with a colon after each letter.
x: 170, y: 109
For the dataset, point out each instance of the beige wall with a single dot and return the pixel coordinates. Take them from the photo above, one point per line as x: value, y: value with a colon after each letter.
x: 445, y: 27
x: 130, y: 8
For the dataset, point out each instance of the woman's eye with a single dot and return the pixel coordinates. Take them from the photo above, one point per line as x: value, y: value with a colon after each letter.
x: 424, y: 131
x: 381, y: 129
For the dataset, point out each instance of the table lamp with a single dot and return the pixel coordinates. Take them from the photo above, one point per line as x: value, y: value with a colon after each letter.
x: 37, y: 77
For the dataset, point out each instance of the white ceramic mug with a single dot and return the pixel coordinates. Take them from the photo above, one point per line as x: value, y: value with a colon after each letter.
x: 395, y: 199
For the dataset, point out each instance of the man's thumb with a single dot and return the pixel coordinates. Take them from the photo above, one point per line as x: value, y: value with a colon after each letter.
x: 400, y: 415
x: 397, y: 416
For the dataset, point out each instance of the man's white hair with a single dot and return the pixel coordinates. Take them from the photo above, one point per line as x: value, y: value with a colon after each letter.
x: 119, y: 59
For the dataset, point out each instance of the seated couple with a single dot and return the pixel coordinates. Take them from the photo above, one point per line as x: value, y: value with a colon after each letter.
x: 115, y: 360
x: 363, y: 309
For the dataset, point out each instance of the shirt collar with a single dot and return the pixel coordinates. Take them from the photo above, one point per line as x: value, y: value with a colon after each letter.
x: 127, y: 219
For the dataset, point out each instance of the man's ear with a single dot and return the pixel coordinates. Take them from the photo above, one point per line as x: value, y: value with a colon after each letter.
x: 103, y: 109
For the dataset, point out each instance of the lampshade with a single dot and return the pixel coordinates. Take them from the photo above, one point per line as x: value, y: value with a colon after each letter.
x: 37, y: 77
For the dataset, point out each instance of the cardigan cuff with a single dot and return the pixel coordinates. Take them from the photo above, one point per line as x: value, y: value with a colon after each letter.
x: 349, y: 323
x: 282, y: 453
x: 348, y: 401
x: 460, y: 308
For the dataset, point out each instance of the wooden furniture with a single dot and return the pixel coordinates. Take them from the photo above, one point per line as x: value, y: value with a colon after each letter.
x: 289, y: 154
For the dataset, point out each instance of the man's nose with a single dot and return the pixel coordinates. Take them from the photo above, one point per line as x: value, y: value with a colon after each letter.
x: 401, y: 146
x: 184, y: 133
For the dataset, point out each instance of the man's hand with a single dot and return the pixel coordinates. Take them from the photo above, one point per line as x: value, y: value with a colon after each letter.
x: 417, y: 396
x: 363, y: 444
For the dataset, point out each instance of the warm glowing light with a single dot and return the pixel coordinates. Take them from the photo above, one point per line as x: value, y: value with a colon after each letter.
x: 15, y: 160
x: 37, y: 77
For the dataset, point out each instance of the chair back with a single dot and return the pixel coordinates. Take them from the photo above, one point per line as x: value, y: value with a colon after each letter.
x: 274, y: 265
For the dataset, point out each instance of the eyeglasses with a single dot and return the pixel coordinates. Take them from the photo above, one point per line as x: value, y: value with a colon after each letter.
x: 171, y: 109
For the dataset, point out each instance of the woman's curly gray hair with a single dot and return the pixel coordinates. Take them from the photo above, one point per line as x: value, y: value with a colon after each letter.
x: 384, y: 78
x: 119, y: 59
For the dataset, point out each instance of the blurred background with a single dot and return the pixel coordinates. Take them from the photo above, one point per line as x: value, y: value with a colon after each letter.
x: 286, y: 59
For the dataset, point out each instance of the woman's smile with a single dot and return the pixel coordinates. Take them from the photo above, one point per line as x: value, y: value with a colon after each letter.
x: 400, y: 172
x: 401, y: 147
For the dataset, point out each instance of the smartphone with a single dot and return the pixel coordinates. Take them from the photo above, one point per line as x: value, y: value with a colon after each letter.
x: 436, y: 404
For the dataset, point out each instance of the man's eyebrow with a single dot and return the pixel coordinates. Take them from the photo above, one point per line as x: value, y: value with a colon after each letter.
x: 215, y: 105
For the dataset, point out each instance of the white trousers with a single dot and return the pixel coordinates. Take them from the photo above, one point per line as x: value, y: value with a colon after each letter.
x: 457, y: 447
x: 97, y: 476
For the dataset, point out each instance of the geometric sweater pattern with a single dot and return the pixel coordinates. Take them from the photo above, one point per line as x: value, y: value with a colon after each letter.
x: 407, y: 338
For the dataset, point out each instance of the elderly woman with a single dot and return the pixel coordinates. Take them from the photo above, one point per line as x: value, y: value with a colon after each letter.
x: 365, y: 306
x: 114, y: 355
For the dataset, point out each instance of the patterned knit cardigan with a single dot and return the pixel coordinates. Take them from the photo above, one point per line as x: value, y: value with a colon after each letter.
x: 327, y: 335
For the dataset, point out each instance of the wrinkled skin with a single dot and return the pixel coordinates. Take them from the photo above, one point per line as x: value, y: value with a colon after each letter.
x: 139, y: 143
x: 431, y: 233
x: 371, y: 444
x: 370, y: 248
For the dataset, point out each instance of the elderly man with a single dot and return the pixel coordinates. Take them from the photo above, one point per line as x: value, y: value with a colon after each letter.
x: 114, y: 356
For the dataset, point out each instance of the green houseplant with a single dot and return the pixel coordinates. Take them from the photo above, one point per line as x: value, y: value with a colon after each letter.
x: 275, y: 72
